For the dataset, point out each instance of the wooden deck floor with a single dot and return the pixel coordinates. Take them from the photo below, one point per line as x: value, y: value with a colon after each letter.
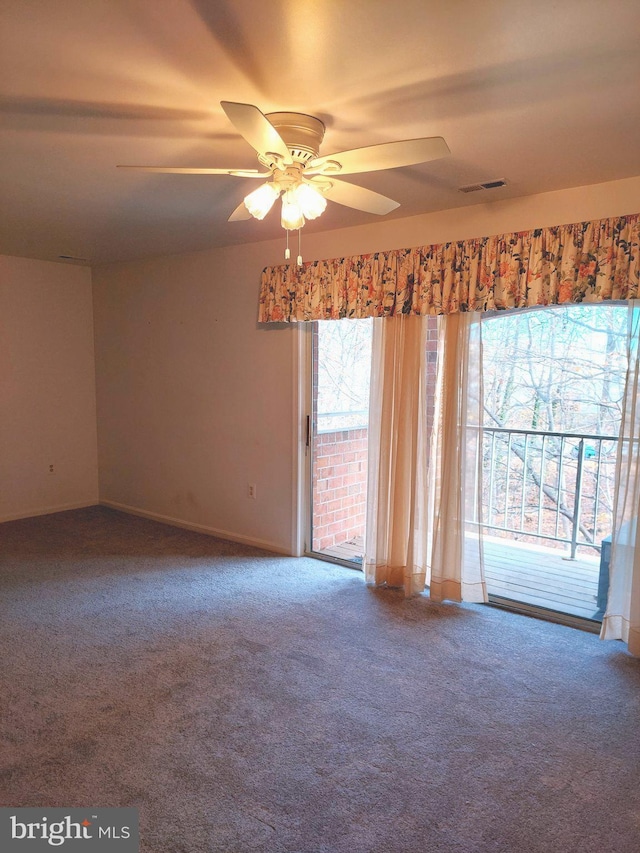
x: 524, y: 573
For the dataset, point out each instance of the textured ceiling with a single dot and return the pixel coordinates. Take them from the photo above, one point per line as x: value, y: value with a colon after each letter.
x: 545, y: 94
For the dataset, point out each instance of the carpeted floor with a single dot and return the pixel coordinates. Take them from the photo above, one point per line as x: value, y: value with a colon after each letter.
x: 248, y: 702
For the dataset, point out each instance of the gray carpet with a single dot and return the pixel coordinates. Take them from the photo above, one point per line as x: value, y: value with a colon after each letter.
x: 247, y: 702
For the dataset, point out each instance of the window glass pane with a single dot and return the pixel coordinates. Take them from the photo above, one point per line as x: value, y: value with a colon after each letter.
x: 341, y: 373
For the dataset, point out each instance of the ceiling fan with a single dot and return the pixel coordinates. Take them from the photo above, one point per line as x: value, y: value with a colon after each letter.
x: 288, y: 146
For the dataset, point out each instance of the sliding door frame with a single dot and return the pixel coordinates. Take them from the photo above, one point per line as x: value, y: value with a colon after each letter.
x: 306, y: 355
x: 301, y: 461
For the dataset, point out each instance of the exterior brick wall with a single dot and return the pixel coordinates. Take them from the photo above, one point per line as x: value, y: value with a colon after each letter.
x: 339, y: 487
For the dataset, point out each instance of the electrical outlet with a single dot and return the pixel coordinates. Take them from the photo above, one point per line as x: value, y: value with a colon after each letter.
x: 52, y: 469
x: 251, y: 491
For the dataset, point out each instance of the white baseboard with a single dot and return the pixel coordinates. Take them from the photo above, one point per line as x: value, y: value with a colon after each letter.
x: 264, y: 544
x: 46, y: 510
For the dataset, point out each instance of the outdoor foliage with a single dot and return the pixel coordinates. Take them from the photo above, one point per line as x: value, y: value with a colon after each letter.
x: 344, y: 368
x: 558, y: 374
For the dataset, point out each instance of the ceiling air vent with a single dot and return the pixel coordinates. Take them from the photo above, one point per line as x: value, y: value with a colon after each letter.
x: 485, y: 185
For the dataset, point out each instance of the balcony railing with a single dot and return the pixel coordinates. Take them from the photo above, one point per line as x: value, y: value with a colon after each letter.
x: 549, y: 485
x: 339, y: 421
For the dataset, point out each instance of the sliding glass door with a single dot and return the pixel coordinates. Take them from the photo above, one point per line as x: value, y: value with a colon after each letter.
x: 554, y: 380
x: 341, y: 367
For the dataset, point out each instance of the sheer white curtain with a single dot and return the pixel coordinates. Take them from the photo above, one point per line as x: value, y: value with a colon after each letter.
x: 622, y: 617
x: 396, y: 532
x: 424, y: 490
x: 457, y: 564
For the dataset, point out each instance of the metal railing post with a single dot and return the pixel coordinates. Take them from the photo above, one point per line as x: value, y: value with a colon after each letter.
x: 576, y: 504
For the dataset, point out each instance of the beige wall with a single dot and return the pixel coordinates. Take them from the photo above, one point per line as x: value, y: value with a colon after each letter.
x: 195, y: 400
x: 47, y: 388
x: 597, y: 201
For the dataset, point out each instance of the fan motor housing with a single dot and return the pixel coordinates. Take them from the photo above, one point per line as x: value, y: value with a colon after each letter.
x: 301, y: 133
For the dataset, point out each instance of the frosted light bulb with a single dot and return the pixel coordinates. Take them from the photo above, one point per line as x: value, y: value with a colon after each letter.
x: 292, y: 217
x: 260, y: 201
x: 311, y: 202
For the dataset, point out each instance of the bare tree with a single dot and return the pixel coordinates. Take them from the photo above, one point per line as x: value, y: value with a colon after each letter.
x: 559, y: 370
x: 343, y: 371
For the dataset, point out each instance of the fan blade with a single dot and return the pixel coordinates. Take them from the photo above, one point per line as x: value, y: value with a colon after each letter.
x: 389, y: 155
x: 352, y: 196
x: 240, y: 213
x: 256, y: 128
x: 238, y: 173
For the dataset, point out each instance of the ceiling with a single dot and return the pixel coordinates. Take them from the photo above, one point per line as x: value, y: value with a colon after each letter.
x: 544, y: 93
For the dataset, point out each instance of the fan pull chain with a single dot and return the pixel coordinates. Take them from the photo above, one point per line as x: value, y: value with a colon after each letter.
x: 299, y: 259
x: 287, y: 251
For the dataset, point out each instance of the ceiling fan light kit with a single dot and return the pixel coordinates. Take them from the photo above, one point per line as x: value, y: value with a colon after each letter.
x: 288, y: 146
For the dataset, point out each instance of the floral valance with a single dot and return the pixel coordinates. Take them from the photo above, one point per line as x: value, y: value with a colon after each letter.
x: 582, y: 262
